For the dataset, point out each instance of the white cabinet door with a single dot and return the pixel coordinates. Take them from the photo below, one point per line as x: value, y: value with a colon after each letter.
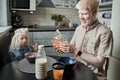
x: 45, y: 38
x: 113, y: 70
x: 68, y: 34
x: 31, y: 37
x: 51, y: 51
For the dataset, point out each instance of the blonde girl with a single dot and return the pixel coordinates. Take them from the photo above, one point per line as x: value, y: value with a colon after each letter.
x: 20, y: 44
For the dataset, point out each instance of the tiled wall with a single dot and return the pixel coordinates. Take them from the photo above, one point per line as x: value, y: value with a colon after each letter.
x: 42, y: 16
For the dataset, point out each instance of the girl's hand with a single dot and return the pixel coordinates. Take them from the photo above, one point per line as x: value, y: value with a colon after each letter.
x: 35, y: 47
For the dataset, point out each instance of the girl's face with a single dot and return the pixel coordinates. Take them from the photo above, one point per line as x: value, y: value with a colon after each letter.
x: 23, y: 40
x: 85, y: 17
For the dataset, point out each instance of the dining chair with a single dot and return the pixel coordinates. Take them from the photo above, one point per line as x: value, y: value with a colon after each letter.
x: 104, y: 75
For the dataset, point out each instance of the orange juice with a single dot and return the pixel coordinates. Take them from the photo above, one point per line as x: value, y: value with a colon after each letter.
x: 58, y: 70
x: 58, y: 74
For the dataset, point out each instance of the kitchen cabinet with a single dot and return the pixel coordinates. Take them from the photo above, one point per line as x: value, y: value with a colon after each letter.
x: 105, y: 3
x: 44, y: 37
x: 31, y: 38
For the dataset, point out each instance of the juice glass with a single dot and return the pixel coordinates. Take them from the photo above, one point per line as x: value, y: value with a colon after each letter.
x: 58, y: 70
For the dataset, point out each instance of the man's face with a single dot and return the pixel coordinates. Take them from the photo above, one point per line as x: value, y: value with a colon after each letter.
x: 85, y: 17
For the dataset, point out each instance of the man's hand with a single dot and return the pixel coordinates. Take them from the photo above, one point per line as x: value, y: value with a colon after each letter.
x: 60, y: 46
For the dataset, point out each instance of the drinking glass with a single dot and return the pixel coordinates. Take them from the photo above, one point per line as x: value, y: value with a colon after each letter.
x: 58, y: 70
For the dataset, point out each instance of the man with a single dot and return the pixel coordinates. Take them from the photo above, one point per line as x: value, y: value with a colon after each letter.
x: 92, y: 41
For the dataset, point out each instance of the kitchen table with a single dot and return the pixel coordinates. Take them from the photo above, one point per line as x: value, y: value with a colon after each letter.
x: 78, y: 72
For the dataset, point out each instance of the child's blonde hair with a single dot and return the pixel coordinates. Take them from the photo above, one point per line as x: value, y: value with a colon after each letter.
x: 17, y: 33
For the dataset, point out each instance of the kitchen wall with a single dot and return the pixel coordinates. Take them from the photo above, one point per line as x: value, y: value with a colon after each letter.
x: 105, y: 17
x: 114, y: 63
x: 42, y: 16
x: 4, y: 13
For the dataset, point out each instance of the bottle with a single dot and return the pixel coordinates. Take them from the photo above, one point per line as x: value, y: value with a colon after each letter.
x: 41, y: 63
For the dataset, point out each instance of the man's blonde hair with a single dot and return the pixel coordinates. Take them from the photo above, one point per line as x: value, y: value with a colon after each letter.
x: 91, y: 5
x: 17, y: 33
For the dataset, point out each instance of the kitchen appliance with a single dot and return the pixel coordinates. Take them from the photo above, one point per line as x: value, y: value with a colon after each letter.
x: 24, y: 5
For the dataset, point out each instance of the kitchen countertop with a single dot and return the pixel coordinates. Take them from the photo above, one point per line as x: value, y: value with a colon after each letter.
x: 4, y: 30
x: 51, y: 29
x: 48, y: 28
